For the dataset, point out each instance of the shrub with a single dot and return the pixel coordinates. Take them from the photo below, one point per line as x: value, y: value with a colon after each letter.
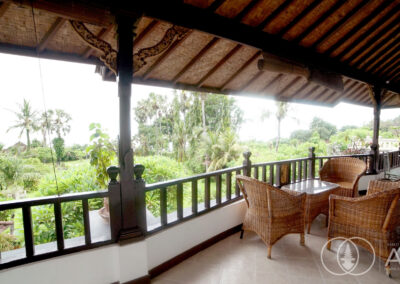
x: 58, y: 144
x: 41, y: 153
x: 30, y: 181
x: 8, y: 242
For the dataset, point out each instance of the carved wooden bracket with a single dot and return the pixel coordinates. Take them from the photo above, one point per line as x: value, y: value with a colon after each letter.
x: 109, y: 56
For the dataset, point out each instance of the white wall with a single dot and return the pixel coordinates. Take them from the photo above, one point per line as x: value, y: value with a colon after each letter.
x: 169, y: 243
x: 114, y: 263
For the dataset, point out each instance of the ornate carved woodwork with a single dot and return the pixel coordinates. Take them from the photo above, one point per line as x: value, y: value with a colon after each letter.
x: 109, y: 55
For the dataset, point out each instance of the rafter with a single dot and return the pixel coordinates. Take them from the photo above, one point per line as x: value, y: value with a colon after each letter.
x: 101, y: 35
x: 359, y: 96
x: 50, y: 34
x: 375, y: 42
x: 272, y: 82
x: 387, y: 67
x: 3, y: 8
x: 358, y: 27
x: 379, y: 53
x: 246, y: 10
x: 339, y: 24
x: 219, y: 64
x: 299, y: 17
x: 165, y: 54
x: 385, y: 21
x: 210, y: 44
x: 380, y: 58
x: 252, y: 79
x: 324, y: 91
x: 274, y: 14
x: 319, y: 21
x: 244, y: 66
x: 313, y: 89
x: 393, y: 70
x: 215, y: 5
x: 299, y: 90
x: 385, y: 59
x: 356, y: 92
x: 321, y: 95
x: 289, y: 85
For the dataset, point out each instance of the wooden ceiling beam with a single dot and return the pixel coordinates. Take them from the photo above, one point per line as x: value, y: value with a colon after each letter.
x: 384, y: 60
x: 241, y: 68
x: 360, y: 89
x: 165, y: 54
x: 388, y: 31
x: 252, y: 79
x: 324, y: 91
x: 50, y: 34
x: 321, y: 95
x: 337, y: 95
x: 274, y: 14
x: 299, y: 90
x: 219, y: 64
x: 272, y: 82
x: 299, y: 17
x: 393, y: 70
x: 294, y: 81
x: 386, y: 21
x: 304, y: 96
x: 359, y: 26
x: 387, y: 67
x: 239, y: 17
x: 151, y: 26
x: 319, y: 21
x: 3, y: 8
x: 209, y: 45
x: 379, y: 53
x: 340, y: 23
x: 215, y: 5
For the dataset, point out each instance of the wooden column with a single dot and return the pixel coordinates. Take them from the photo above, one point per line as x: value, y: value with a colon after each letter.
x: 376, y: 94
x: 311, y: 162
x: 247, y: 164
x: 130, y: 227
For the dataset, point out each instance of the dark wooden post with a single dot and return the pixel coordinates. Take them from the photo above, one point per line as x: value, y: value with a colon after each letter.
x: 247, y: 164
x: 311, y: 162
x: 140, y: 206
x: 126, y: 35
x: 376, y: 96
x: 114, y: 202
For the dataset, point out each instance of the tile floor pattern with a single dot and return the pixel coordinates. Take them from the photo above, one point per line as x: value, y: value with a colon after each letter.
x: 245, y: 261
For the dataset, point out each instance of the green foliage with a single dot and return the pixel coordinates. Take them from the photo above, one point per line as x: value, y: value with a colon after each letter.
x: 60, y: 123
x: 30, y: 181
x: 8, y: 242
x: 324, y: 129
x: 58, y: 144
x: 301, y: 135
x: 42, y: 153
x: 351, y: 141
x: 101, y: 152
x: 36, y: 143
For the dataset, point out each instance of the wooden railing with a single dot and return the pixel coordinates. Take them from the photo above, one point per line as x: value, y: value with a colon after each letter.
x: 57, y: 202
x: 171, y: 202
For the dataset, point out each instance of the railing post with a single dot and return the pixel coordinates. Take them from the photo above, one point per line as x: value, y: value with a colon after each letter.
x: 311, y: 162
x: 114, y: 202
x: 373, y: 159
x: 140, y: 189
x: 247, y: 164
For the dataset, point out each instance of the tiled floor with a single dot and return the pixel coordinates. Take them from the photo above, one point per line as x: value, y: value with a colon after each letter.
x: 245, y: 261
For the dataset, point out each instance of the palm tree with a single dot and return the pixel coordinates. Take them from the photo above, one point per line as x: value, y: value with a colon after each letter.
x: 45, y: 122
x: 26, y: 121
x: 281, y: 112
x: 60, y: 124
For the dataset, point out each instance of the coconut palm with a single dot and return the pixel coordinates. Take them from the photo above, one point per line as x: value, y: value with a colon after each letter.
x: 45, y: 122
x: 26, y: 121
x: 281, y: 113
x: 60, y: 123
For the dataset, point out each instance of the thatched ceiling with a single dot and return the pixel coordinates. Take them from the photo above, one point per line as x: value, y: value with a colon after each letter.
x: 363, y: 36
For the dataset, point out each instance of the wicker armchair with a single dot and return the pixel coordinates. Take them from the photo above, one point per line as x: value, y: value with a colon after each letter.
x: 373, y: 217
x: 345, y: 172
x: 272, y: 212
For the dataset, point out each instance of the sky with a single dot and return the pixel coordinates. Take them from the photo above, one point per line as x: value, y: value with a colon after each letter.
x: 76, y: 89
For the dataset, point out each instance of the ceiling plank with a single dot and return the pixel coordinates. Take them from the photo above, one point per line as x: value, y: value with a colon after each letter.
x: 274, y: 14
x: 386, y: 21
x: 324, y: 91
x: 339, y: 24
x: 244, y: 66
x: 387, y: 67
x: 272, y: 82
x: 219, y: 64
x: 370, y: 56
x: 302, y: 97
x: 289, y: 85
x: 55, y: 27
x: 3, y: 8
x: 319, y: 21
x: 321, y: 95
x: 165, y: 54
x: 210, y: 44
x: 358, y: 27
x: 299, y: 17
x: 215, y: 5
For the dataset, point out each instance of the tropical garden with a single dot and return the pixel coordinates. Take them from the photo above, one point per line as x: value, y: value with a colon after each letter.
x: 179, y: 135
